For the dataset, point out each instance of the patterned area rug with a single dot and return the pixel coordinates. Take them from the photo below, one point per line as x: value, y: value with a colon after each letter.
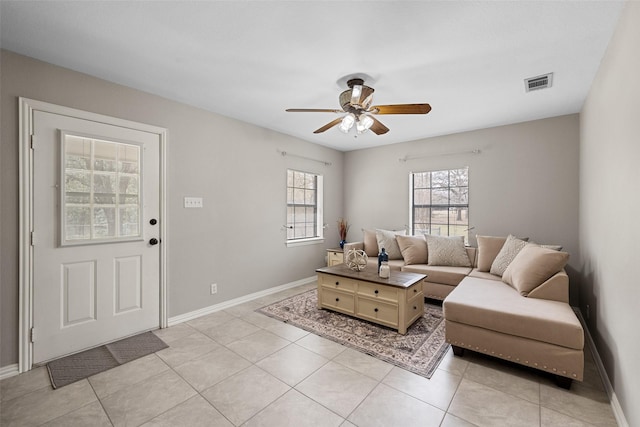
x: 419, y: 351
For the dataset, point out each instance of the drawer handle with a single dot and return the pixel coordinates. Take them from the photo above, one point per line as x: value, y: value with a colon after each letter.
x: 415, y: 308
x: 337, y: 299
x: 415, y: 290
x: 375, y: 309
x: 337, y: 283
x: 375, y: 292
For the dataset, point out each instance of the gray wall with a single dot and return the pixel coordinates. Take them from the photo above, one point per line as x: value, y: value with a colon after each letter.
x: 235, y: 241
x: 609, y: 206
x: 524, y: 181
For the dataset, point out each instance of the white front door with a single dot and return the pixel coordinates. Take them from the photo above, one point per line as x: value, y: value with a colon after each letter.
x: 96, y: 258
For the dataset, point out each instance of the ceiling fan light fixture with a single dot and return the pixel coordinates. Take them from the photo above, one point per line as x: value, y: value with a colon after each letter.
x: 364, y: 123
x: 347, y: 123
x: 356, y: 92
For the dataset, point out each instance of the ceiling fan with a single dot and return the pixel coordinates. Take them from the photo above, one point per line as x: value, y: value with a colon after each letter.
x: 356, y: 102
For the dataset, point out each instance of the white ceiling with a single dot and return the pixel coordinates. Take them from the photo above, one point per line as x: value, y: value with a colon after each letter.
x: 251, y: 60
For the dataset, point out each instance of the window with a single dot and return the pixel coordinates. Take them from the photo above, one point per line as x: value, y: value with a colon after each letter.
x: 100, y: 190
x: 304, y: 207
x: 440, y: 202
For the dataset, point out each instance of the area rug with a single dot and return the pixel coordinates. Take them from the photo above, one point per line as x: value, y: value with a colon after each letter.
x: 75, y: 367
x: 419, y: 351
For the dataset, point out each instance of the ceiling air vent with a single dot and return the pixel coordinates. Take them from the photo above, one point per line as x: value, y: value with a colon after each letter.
x: 538, y: 82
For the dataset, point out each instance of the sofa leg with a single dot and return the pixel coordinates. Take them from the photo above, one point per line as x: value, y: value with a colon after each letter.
x: 458, y: 351
x: 563, y: 382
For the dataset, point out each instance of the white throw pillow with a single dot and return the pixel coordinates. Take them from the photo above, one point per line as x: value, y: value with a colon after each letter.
x: 512, y: 246
x: 387, y: 240
x: 448, y: 251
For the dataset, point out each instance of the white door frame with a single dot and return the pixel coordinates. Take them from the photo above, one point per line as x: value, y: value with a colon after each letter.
x: 26, y: 191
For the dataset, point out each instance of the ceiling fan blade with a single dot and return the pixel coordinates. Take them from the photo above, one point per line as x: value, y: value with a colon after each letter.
x: 328, y: 125
x: 313, y: 110
x: 401, y: 109
x: 377, y: 127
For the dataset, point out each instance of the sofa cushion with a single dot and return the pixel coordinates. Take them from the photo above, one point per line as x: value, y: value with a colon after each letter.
x: 488, y: 249
x: 493, y: 305
x: 533, y: 266
x: 445, y: 275
x: 447, y: 251
x: 387, y: 239
x: 507, y: 253
x: 413, y: 248
x: 370, y: 242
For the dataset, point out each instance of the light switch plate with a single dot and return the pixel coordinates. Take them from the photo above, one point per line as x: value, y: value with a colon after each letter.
x: 193, y: 202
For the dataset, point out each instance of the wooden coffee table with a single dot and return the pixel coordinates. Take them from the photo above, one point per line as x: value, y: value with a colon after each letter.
x: 396, y: 302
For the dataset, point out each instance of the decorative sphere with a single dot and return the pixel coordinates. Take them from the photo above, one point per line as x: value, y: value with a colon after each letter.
x: 356, y: 259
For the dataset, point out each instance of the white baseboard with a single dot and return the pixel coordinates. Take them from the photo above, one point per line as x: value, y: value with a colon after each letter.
x: 613, y: 399
x: 9, y: 371
x: 227, y: 304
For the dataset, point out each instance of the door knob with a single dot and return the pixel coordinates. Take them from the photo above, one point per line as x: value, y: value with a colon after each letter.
x: 153, y: 241
x: 153, y: 221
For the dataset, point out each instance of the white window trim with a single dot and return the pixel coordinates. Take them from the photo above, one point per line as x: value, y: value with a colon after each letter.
x: 319, y: 218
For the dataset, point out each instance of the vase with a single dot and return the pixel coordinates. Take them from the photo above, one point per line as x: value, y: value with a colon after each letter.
x: 342, y: 242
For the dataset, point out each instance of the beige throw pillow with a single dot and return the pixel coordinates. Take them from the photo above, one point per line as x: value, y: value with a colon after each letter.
x: 533, y: 266
x: 370, y: 242
x: 509, y: 250
x: 448, y: 251
x: 488, y: 249
x: 387, y: 240
x: 413, y: 248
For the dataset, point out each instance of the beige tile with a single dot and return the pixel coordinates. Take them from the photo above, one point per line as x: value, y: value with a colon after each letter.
x: 260, y: 320
x: 210, y: 320
x: 46, y: 404
x: 386, y: 406
x: 212, y: 368
x: 18, y: 385
x: 230, y: 331
x: 292, y: 410
x: 484, y: 406
x: 516, y: 382
x: 244, y: 308
x: 287, y: 332
x: 454, y: 364
x: 90, y: 415
x: 338, y: 388
x: 147, y: 399
x: 258, y: 345
x: 551, y: 418
x: 583, y: 403
x: 124, y: 376
x: 363, y: 363
x: 453, y: 421
x: 195, y: 412
x: 437, y: 391
x: 187, y: 348
x: 174, y: 333
x: 322, y: 346
x: 245, y: 394
x: 292, y: 364
x: 347, y: 424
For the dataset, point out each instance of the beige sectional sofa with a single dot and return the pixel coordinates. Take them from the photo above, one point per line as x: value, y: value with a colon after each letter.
x: 510, y: 300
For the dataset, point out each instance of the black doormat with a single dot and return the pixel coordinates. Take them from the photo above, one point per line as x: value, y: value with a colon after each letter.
x: 70, y: 369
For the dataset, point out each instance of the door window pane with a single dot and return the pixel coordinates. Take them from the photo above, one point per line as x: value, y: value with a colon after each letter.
x: 100, y: 190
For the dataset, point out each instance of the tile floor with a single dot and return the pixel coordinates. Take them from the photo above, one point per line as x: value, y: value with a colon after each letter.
x: 237, y: 367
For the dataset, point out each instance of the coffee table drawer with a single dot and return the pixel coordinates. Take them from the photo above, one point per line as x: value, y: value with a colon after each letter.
x: 378, y: 311
x: 383, y: 292
x: 336, y: 282
x: 339, y: 301
x: 414, y: 309
x: 413, y: 291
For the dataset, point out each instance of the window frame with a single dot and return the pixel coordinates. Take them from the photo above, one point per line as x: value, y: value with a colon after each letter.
x: 319, y: 211
x: 448, y: 205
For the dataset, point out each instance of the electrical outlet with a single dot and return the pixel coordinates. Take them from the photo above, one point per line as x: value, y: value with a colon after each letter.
x: 214, y: 288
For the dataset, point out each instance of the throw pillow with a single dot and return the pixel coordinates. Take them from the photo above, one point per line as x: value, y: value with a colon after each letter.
x: 387, y: 240
x: 448, y: 251
x: 413, y: 248
x: 488, y: 248
x: 533, y: 266
x: 370, y: 242
x: 509, y: 250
